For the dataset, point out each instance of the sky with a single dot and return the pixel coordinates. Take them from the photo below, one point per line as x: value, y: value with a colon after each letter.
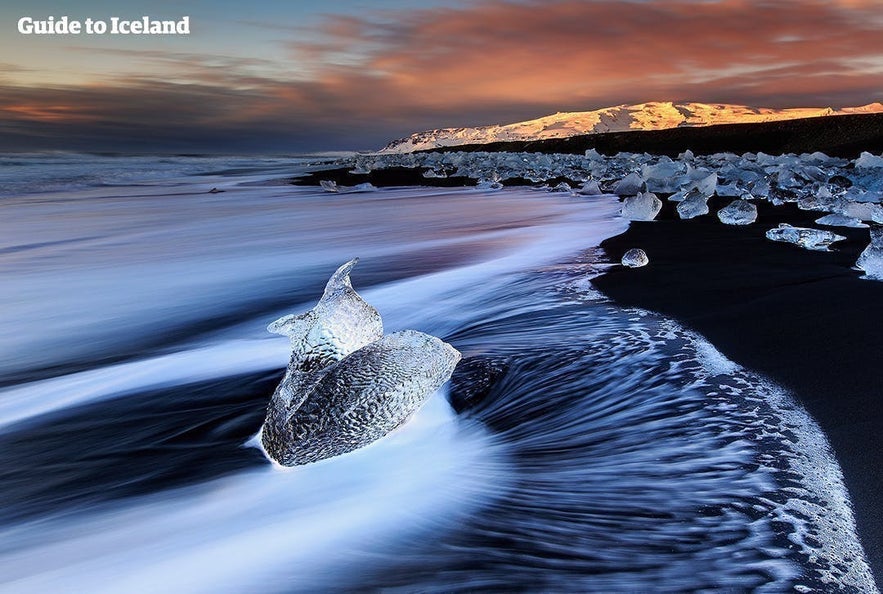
x: 298, y: 75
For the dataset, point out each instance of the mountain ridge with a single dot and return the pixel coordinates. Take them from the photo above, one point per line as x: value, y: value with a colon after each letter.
x: 641, y: 117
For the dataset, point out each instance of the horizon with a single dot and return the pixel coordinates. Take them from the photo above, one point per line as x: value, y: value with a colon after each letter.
x: 280, y: 79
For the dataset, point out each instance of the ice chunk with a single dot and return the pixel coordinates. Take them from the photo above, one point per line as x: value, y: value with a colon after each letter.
x: 839, y: 220
x: 487, y: 184
x: 865, y: 211
x: 561, y: 187
x: 871, y: 259
x: 707, y: 185
x: 590, y: 188
x: 694, y: 204
x: 630, y: 185
x: 867, y: 160
x: 643, y: 207
x: 663, y: 176
x: 635, y: 258
x: 331, y: 186
x: 347, y: 385
x: 824, y: 200
x: 738, y: 212
x: 811, y: 239
x: 435, y: 173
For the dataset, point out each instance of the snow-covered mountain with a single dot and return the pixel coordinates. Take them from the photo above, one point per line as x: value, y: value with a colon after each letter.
x: 644, y: 116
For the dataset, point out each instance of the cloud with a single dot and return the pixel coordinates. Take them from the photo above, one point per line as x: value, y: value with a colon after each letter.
x: 382, y: 75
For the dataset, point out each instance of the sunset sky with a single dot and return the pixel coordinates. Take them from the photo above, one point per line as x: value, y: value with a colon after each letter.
x: 349, y: 74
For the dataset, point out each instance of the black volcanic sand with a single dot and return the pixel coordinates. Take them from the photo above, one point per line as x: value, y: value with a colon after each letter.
x: 802, y: 318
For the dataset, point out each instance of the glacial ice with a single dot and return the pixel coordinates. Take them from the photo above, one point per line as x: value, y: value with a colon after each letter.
x: 839, y: 189
x: 347, y: 385
x: 738, y: 212
x: 630, y: 185
x: 331, y: 186
x: 811, y: 239
x: 643, y: 207
x: 871, y: 259
x: 864, y: 211
x: 706, y: 185
x: 635, y: 258
x: 867, y: 160
x: 590, y: 188
x: 839, y: 220
x: 694, y: 204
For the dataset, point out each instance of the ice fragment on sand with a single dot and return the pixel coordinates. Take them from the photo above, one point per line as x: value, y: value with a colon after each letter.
x: 635, y: 258
x: 867, y: 160
x: 693, y: 205
x: 630, y: 185
x: 865, y: 211
x: 871, y: 259
x: 331, y: 186
x: 738, y: 212
x: 643, y: 207
x: 347, y: 385
x: 811, y: 239
x: 706, y: 185
x: 486, y: 184
x: 590, y: 188
x: 839, y: 220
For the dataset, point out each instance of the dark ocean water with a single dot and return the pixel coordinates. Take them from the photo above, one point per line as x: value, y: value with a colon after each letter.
x: 580, y: 447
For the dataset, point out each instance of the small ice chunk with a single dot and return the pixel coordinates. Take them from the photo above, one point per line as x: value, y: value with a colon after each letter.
x: 487, y: 184
x: 839, y: 220
x: 331, y: 186
x: 871, y: 259
x: 867, y: 160
x: 635, y: 258
x: 865, y: 211
x: 643, y: 207
x: 562, y: 187
x: 435, y: 173
x: 365, y: 187
x: 811, y: 239
x: 738, y: 212
x: 694, y: 204
x: 590, y: 188
x: 707, y: 185
x: 687, y: 155
x: 630, y: 185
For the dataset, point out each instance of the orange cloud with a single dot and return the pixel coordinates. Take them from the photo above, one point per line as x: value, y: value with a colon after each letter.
x: 383, y: 75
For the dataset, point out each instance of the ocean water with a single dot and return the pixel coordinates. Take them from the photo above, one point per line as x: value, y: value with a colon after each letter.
x: 579, y: 447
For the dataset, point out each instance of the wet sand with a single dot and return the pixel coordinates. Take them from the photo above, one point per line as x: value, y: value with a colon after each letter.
x: 804, y: 319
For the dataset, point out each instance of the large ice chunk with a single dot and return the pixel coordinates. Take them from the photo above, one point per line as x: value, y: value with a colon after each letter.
x: 643, y: 207
x: 630, y: 185
x: 811, y: 239
x: 867, y: 160
x: 347, y: 385
x: 694, y: 204
x: 839, y: 220
x: 635, y: 258
x: 865, y: 211
x: 738, y: 212
x: 871, y: 259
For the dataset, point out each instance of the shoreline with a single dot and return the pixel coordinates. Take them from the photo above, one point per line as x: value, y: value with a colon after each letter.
x: 754, y: 300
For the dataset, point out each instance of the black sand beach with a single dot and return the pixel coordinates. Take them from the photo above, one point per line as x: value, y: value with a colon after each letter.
x: 801, y: 318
